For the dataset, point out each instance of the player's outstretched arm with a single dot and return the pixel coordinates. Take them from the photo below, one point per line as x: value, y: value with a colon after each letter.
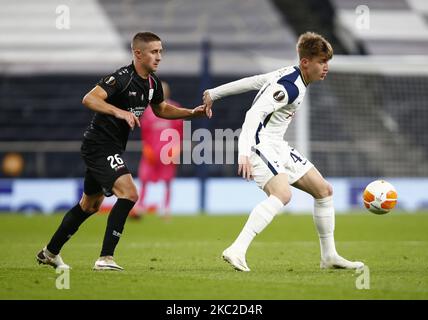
x: 95, y: 100
x: 238, y: 86
x: 232, y: 88
x: 168, y: 111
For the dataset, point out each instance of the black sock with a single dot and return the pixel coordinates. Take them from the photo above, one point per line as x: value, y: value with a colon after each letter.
x: 115, y: 223
x: 69, y: 225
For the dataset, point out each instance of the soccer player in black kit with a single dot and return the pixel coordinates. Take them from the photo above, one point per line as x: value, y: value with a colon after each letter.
x: 118, y: 100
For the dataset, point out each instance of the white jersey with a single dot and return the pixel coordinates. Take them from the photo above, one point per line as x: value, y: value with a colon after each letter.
x: 280, y: 94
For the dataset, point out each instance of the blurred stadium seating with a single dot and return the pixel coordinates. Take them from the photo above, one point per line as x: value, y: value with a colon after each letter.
x: 361, y: 123
x: 33, y: 42
x: 237, y: 30
x: 397, y: 27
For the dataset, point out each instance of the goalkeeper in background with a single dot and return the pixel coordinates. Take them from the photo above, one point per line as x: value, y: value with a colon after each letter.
x: 267, y: 158
x: 158, y: 161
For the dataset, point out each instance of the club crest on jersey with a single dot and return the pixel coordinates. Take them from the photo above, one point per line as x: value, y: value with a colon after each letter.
x: 110, y: 81
x: 279, y: 95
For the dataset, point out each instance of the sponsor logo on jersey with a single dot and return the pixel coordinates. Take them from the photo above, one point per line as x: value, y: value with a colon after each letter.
x: 151, y: 94
x: 138, y: 111
x: 279, y: 95
x: 110, y: 81
x: 132, y: 94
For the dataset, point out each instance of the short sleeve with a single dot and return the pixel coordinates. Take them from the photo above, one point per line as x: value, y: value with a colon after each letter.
x: 112, y: 84
x: 158, y: 91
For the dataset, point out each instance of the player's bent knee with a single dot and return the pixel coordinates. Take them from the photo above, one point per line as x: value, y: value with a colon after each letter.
x: 129, y: 195
x: 326, y: 191
x: 330, y: 189
x: 124, y: 188
x: 91, y: 204
x: 284, y: 196
x: 132, y: 196
x: 89, y: 207
x: 92, y: 210
x: 95, y: 208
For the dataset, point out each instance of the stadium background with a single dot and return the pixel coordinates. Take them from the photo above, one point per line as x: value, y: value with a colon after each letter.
x: 366, y: 121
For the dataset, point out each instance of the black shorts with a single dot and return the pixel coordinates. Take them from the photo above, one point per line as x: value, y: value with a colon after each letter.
x: 104, y: 165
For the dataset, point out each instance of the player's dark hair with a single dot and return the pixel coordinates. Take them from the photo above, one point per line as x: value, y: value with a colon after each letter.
x: 145, y: 37
x: 311, y: 44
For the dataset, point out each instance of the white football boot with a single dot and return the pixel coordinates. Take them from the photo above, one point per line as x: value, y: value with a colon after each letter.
x: 45, y: 257
x: 236, y: 259
x: 107, y: 263
x: 337, y: 262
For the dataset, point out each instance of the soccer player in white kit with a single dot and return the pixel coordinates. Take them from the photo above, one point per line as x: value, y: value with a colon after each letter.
x: 265, y: 156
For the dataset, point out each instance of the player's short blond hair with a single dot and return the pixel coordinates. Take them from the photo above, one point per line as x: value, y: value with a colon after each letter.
x: 144, y: 37
x: 311, y: 45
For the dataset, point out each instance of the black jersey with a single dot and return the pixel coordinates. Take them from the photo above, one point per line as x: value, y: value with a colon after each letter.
x: 128, y: 91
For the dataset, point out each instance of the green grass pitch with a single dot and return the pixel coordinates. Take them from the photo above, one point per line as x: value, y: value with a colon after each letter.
x: 180, y: 259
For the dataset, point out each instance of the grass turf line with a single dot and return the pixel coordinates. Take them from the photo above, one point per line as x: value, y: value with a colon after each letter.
x: 180, y: 259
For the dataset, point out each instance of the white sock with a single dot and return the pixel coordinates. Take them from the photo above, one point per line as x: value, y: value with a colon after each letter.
x: 324, y: 222
x: 259, y: 218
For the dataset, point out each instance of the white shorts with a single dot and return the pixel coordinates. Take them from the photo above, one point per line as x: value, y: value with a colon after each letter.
x: 268, y: 160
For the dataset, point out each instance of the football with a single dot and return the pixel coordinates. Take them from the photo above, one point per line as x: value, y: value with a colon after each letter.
x: 380, y: 197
